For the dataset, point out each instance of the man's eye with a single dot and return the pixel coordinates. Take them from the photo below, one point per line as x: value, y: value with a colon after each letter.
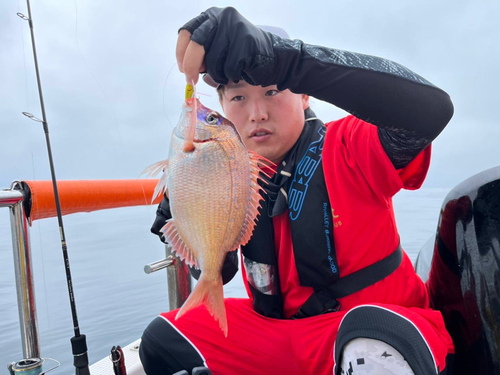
x: 271, y: 92
x: 237, y: 98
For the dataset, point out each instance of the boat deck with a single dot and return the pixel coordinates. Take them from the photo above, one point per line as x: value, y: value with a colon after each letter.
x: 132, y: 362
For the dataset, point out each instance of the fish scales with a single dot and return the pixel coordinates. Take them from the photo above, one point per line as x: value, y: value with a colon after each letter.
x: 209, y: 192
x: 212, y: 185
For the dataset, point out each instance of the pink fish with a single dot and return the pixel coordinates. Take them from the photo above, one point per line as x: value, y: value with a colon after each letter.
x: 213, y: 188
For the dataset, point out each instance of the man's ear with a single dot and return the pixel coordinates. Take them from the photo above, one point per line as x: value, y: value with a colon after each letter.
x: 221, y: 102
x: 305, y: 101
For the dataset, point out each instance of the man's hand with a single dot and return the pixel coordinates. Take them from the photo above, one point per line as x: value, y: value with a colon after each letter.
x: 162, y: 215
x: 221, y: 42
x: 190, y: 56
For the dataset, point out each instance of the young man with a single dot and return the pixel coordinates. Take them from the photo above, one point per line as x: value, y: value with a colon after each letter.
x: 330, y: 288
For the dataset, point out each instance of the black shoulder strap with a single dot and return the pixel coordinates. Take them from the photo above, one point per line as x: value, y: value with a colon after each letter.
x: 324, y: 300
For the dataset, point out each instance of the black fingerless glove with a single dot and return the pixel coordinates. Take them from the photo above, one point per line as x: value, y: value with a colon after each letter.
x: 373, y: 89
x: 234, y: 47
x: 163, y: 214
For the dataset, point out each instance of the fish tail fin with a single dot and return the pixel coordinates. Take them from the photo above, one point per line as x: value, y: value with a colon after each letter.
x: 210, y: 293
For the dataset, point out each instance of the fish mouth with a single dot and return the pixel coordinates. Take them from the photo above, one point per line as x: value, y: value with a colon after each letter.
x: 205, y: 140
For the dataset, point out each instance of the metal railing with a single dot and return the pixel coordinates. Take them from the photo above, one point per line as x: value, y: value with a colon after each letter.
x: 14, y: 199
x: 178, y: 277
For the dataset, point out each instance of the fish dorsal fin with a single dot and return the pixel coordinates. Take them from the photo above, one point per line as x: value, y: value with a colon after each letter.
x: 258, y: 164
x: 153, y: 170
x: 180, y: 248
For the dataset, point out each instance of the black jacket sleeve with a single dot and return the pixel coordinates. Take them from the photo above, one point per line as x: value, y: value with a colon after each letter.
x: 163, y: 214
x: 408, y: 110
x: 373, y: 89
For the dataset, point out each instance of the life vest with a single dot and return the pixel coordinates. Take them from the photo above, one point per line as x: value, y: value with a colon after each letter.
x: 299, y: 187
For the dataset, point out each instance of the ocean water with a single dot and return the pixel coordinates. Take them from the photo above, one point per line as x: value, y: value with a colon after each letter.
x: 115, y: 299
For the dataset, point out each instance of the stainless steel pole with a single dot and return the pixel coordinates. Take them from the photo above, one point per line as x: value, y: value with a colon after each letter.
x: 178, y: 280
x: 23, y: 272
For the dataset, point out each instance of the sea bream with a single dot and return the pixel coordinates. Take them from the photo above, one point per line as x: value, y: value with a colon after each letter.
x: 211, y: 181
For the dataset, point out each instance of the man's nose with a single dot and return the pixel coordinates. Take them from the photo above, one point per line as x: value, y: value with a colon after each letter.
x: 259, y: 112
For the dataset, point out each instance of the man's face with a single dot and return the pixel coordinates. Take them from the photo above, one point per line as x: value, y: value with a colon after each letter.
x: 269, y: 121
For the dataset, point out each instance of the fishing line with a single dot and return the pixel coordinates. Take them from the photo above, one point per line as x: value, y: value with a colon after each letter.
x: 166, y: 115
x: 163, y: 100
x: 115, y: 122
x: 46, y: 305
x: 43, y: 260
x: 24, y: 57
x: 78, y: 341
x: 149, y: 203
x: 106, y: 98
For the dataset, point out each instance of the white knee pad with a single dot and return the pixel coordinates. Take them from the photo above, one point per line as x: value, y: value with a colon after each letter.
x: 364, y: 356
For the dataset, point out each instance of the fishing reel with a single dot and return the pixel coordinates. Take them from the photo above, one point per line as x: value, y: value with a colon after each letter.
x: 33, y: 366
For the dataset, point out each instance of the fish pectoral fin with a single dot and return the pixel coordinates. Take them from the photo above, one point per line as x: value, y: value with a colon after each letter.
x: 161, y: 187
x: 180, y: 248
x: 153, y: 170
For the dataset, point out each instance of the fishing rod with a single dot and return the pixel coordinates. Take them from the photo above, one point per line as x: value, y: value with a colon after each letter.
x: 79, y: 341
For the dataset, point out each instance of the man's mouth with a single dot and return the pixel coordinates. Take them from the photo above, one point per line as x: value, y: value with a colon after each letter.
x: 259, y: 133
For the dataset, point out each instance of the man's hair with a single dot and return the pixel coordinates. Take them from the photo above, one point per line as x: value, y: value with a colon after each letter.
x: 220, y: 91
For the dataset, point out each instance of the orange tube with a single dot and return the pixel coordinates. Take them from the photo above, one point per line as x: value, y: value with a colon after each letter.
x: 89, y: 195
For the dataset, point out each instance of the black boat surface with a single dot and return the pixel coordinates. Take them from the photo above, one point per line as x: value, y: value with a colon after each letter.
x: 462, y: 270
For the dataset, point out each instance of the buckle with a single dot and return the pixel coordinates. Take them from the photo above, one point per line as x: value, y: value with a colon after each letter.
x: 302, y: 314
x: 201, y: 371
x: 332, y: 309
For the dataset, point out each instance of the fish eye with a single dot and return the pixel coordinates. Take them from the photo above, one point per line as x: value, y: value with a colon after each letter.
x: 212, y: 119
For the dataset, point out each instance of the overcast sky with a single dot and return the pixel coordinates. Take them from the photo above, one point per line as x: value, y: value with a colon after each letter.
x: 112, y: 90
